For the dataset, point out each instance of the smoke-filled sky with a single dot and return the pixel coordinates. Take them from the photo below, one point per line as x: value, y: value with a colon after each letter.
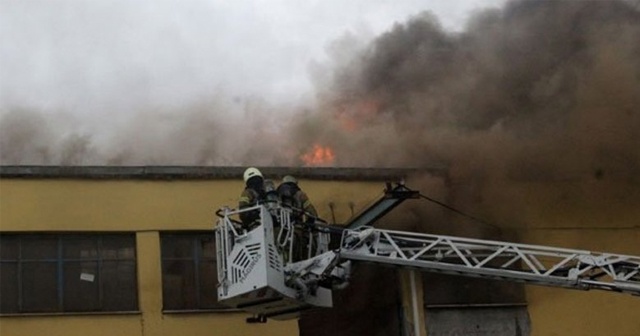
x: 121, y: 55
x: 147, y: 76
x: 381, y: 83
x: 533, y: 106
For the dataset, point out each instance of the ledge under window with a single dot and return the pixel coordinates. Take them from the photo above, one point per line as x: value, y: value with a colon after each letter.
x: 133, y: 312
x: 201, y: 311
x: 474, y: 305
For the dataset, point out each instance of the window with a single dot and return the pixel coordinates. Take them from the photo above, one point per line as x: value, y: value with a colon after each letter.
x: 41, y: 273
x: 189, y: 274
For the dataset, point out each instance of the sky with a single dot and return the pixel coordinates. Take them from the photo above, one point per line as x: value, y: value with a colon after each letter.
x: 110, y: 57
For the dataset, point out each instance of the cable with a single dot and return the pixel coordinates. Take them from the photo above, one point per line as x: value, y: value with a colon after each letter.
x: 458, y: 211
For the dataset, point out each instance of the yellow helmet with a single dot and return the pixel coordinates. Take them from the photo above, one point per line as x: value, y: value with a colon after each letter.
x: 251, y: 172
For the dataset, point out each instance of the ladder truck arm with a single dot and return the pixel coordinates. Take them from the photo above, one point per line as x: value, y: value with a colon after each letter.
x: 278, y: 268
x: 533, y: 264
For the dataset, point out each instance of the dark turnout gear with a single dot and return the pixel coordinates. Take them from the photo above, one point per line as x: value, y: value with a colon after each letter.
x: 292, y: 196
x: 251, y: 195
x: 249, y: 198
x: 303, y: 211
x: 271, y: 197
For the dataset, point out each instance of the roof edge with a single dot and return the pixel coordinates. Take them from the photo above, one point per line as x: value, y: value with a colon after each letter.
x: 206, y: 172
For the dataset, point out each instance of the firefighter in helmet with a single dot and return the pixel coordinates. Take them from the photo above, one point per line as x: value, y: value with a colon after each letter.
x: 292, y: 196
x: 252, y: 194
x: 303, y: 211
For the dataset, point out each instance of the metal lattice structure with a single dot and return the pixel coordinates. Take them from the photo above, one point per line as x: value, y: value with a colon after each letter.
x: 542, y: 265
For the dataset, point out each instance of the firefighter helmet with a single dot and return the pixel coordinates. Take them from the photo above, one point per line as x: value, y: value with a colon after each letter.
x: 289, y: 179
x: 251, y: 172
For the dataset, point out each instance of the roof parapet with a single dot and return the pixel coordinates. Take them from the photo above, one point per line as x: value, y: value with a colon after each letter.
x: 207, y: 172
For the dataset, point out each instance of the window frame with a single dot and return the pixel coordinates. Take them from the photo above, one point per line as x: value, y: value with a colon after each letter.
x: 196, y: 258
x: 61, y: 262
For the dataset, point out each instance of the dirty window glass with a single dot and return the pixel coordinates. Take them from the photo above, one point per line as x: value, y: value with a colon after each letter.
x: 53, y: 273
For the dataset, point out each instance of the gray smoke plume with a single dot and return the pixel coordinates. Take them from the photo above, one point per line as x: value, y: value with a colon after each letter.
x: 222, y: 132
x: 533, y: 108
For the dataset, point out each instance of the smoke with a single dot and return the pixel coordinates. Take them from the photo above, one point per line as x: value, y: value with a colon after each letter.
x: 534, y: 108
x: 220, y: 132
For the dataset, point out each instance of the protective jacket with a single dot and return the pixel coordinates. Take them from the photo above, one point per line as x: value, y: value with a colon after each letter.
x: 292, y: 196
x: 250, y: 197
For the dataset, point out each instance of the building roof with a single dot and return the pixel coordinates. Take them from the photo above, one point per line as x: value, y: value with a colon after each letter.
x: 206, y: 172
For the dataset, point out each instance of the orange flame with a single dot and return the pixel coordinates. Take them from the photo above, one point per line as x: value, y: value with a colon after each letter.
x: 318, y: 156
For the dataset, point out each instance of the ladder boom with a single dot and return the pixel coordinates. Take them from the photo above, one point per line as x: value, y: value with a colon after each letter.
x: 543, y: 265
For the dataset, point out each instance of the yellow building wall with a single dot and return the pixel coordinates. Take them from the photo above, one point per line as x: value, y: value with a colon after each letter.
x: 146, y: 207
x: 593, y: 215
x: 149, y: 206
x: 129, y: 205
x: 555, y: 311
x: 581, y: 215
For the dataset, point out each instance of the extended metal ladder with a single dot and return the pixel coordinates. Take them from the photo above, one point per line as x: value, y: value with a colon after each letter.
x: 542, y: 265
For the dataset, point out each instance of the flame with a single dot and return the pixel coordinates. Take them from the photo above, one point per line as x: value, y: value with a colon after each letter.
x: 318, y: 156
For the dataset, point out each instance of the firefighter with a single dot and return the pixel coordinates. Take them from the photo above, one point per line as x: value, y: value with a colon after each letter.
x: 302, y: 212
x: 292, y: 196
x: 252, y: 194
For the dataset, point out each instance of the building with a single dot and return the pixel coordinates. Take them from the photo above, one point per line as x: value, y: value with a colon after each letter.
x: 129, y: 250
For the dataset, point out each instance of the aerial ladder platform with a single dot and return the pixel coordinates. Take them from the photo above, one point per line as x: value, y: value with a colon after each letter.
x: 279, y: 268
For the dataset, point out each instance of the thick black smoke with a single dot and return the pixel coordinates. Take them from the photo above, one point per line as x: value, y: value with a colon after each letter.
x: 532, y: 108
x: 535, y: 72
x: 539, y: 93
